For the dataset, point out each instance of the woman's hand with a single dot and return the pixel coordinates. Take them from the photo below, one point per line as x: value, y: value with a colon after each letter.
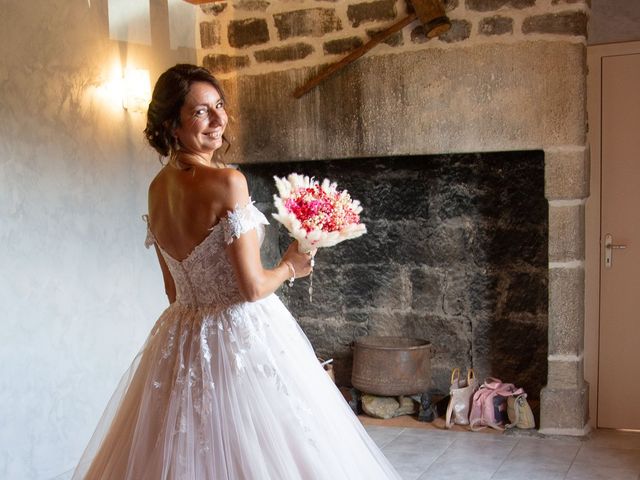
x: 301, y: 262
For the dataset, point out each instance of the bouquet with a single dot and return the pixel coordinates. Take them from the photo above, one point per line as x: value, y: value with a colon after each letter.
x: 316, y: 214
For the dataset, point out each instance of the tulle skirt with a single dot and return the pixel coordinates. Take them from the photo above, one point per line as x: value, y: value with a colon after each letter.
x: 229, y: 394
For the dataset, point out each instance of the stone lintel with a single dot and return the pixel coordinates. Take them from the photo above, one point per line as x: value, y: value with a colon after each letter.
x: 566, y: 233
x: 567, y: 172
x: 442, y: 108
x: 566, y: 311
x: 564, y: 411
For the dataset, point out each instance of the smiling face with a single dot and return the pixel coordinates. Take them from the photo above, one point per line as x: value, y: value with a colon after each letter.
x: 203, y: 120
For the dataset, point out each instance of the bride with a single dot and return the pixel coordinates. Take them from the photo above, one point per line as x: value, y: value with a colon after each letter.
x: 226, y: 386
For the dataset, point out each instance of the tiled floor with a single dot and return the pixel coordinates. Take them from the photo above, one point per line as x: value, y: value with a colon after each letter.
x: 421, y: 454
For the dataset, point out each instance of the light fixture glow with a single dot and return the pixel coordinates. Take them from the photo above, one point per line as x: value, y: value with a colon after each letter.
x: 136, y: 92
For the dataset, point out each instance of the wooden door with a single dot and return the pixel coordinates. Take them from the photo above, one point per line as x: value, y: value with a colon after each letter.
x: 619, y: 349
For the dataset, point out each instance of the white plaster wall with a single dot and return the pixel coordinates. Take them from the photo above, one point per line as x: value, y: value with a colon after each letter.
x: 78, y: 291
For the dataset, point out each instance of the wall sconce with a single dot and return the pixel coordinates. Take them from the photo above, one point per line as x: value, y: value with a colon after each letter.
x: 136, y: 91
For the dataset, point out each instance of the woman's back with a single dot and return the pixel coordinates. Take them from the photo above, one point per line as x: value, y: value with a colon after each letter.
x: 184, y: 204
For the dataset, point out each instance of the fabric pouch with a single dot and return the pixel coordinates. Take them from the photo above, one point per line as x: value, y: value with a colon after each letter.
x: 519, y: 412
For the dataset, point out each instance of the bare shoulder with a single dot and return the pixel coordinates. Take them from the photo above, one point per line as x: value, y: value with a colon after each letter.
x: 230, y: 187
x: 157, y: 183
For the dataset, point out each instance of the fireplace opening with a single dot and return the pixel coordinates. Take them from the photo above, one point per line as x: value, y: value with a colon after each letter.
x: 456, y: 253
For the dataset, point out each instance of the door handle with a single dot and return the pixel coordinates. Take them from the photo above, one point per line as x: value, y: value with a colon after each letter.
x: 609, y: 247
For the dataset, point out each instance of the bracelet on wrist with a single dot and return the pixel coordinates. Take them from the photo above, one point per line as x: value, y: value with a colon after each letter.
x: 292, y: 271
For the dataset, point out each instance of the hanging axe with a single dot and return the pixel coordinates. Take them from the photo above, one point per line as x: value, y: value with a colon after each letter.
x: 430, y: 13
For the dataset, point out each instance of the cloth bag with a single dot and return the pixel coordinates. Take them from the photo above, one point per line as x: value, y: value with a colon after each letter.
x: 519, y: 412
x: 489, y: 405
x: 461, y: 392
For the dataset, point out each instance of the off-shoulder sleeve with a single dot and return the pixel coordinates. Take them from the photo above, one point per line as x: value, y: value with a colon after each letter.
x: 240, y: 220
x: 150, y: 239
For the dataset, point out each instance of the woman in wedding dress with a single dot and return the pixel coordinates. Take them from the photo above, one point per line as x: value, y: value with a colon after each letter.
x: 226, y: 386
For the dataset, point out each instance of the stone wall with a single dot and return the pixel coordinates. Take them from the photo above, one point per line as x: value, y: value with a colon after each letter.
x: 258, y: 36
x: 456, y: 253
x: 509, y: 75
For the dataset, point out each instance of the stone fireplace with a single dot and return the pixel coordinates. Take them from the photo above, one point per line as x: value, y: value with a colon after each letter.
x: 456, y: 253
x: 509, y: 77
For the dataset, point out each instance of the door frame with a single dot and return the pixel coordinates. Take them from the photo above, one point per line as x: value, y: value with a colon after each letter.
x: 595, y: 54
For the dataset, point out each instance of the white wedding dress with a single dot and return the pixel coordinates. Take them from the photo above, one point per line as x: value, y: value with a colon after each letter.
x: 225, y: 389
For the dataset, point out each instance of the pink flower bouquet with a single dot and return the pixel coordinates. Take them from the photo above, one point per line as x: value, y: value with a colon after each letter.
x: 316, y: 214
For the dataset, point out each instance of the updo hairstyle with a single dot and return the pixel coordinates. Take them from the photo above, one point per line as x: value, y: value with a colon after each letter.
x: 169, y: 93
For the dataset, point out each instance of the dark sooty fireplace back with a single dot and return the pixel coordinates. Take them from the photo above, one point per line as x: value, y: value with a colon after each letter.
x: 456, y: 253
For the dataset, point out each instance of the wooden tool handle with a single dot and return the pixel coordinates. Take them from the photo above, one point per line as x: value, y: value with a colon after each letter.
x: 357, y: 53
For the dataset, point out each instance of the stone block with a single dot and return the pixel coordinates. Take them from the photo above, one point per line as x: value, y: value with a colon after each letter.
x: 427, y: 289
x: 214, y: 8
x: 566, y: 374
x: 460, y: 30
x: 486, y: 290
x: 251, y: 5
x: 449, y: 5
x: 388, y: 407
x: 209, y: 34
x: 566, y: 311
x: 455, y: 294
x: 567, y: 173
x: 219, y: 63
x: 418, y: 35
x: 496, y: 25
x: 566, y: 233
x: 447, y: 291
x: 564, y: 23
x: 329, y: 333
x: 394, y: 40
x: 313, y: 22
x: 380, y: 407
x: 490, y: 5
x: 379, y: 10
x: 284, y: 54
x: 342, y: 45
x: 248, y: 32
x: 564, y: 411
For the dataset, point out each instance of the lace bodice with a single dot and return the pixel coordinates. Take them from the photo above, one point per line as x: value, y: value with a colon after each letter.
x: 205, y: 277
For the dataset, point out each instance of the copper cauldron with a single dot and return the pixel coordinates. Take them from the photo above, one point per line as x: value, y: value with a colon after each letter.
x: 391, y: 366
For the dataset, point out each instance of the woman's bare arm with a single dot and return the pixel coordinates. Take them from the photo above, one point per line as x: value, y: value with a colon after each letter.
x: 254, y: 281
